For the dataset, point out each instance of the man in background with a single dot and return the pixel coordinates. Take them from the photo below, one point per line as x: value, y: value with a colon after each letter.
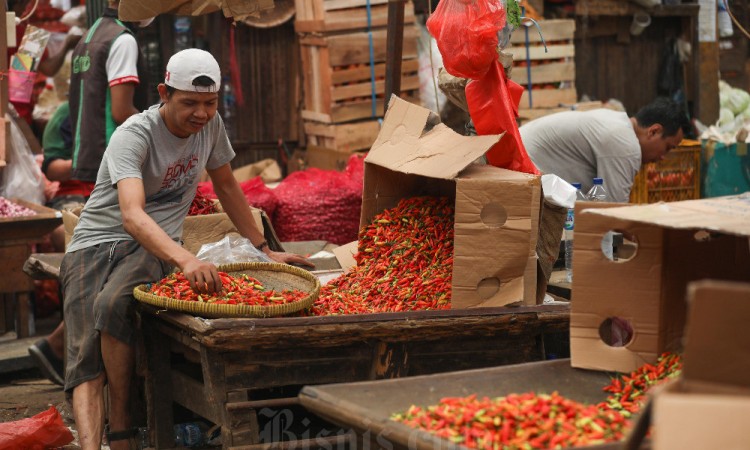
x: 578, y: 146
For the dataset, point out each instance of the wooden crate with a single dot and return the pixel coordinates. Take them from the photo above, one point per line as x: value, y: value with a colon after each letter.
x: 343, y: 137
x: 316, y: 16
x: 552, y: 72
x: 676, y: 177
x: 336, y: 74
x: 228, y: 370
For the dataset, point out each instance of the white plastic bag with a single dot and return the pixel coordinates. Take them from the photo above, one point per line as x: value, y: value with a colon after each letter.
x: 558, y: 191
x: 22, y: 177
x: 232, y: 249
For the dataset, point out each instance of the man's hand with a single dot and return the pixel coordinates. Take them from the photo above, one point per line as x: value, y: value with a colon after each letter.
x: 203, y: 276
x: 289, y: 258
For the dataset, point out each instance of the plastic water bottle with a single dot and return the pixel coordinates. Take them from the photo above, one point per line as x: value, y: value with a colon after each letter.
x: 597, y: 193
x: 724, y: 20
x: 181, y: 33
x: 188, y: 435
x: 568, y: 232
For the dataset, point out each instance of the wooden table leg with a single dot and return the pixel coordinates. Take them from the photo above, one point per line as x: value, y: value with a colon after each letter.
x: 158, y: 391
x: 24, y: 314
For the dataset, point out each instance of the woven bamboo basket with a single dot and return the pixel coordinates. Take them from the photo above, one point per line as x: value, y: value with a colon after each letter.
x: 274, y: 276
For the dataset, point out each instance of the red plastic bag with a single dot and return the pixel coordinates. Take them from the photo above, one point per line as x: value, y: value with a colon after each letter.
x: 493, y: 106
x: 466, y: 34
x: 44, y: 430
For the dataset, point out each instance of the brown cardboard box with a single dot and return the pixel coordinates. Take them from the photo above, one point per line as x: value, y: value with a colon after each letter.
x: 708, y: 407
x: 268, y: 170
x: 298, y: 161
x: 327, y: 159
x: 677, y: 243
x: 197, y: 230
x: 497, y: 210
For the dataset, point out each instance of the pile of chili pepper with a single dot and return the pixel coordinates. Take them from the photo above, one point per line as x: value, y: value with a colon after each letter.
x: 627, y: 392
x: 404, y: 262
x: 240, y: 290
x: 517, y: 421
x: 201, y: 205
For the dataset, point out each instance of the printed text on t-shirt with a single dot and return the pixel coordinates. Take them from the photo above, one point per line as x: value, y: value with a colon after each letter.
x: 180, y: 172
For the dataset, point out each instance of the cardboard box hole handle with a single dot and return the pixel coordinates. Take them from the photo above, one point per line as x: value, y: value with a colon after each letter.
x: 488, y: 287
x: 616, y: 332
x: 619, y: 246
x: 494, y: 215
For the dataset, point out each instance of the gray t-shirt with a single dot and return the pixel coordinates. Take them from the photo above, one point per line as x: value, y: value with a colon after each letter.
x: 169, y: 166
x: 580, y: 145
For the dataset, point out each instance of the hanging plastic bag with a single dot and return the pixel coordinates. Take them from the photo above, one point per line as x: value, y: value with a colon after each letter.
x: 23, y: 177
x: 493, y: 106
x: 44, y: 430
x: 466, y: 34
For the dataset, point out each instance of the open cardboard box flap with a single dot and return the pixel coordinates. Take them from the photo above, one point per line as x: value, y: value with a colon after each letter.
x: 729, y: 214
x: 412, y: 141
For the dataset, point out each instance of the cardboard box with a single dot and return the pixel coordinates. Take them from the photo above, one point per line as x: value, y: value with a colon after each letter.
x: 708, y: 407
x: 327, y: 159
x: 197, y: 230
x: 497, y: 210
x: 268, y: 170
x: 677, y: 243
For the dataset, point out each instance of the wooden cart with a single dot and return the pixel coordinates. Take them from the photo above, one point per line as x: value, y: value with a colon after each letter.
x: 366, y: 407
x: 227, y: 370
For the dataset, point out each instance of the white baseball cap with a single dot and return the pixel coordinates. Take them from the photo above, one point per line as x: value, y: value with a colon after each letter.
x: 187, y: 65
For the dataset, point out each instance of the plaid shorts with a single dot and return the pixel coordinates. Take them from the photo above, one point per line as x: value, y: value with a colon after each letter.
x: 98, y: 284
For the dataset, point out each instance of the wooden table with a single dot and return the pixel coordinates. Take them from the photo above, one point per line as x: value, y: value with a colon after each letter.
x: 226, y: 370
x: 16, y: 237
x: 366, y: 407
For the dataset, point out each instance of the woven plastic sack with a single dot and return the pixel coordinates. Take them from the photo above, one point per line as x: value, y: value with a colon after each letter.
x: 317, y: 204
x: 466, y: 34
x: 44, y: 430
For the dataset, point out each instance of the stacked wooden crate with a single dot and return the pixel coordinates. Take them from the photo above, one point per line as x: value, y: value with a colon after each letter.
x: 553, y: 73
x: 338, y: 111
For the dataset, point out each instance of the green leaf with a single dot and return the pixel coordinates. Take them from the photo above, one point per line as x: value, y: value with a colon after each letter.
x: 513, y: 13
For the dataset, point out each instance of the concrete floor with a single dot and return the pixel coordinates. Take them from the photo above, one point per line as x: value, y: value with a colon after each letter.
x: 24, y: 392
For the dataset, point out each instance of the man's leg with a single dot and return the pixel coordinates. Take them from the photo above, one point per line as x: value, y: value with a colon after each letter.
x: 119, y: 360
x: 88, y: 411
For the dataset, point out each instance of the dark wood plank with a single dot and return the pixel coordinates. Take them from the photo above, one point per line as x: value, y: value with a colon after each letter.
x: 158, y: 396
x: 394, y: 50
x: 708, y: 67
x: 391, y: 331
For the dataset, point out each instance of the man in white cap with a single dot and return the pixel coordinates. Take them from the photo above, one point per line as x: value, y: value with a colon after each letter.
x: 129, y: 232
